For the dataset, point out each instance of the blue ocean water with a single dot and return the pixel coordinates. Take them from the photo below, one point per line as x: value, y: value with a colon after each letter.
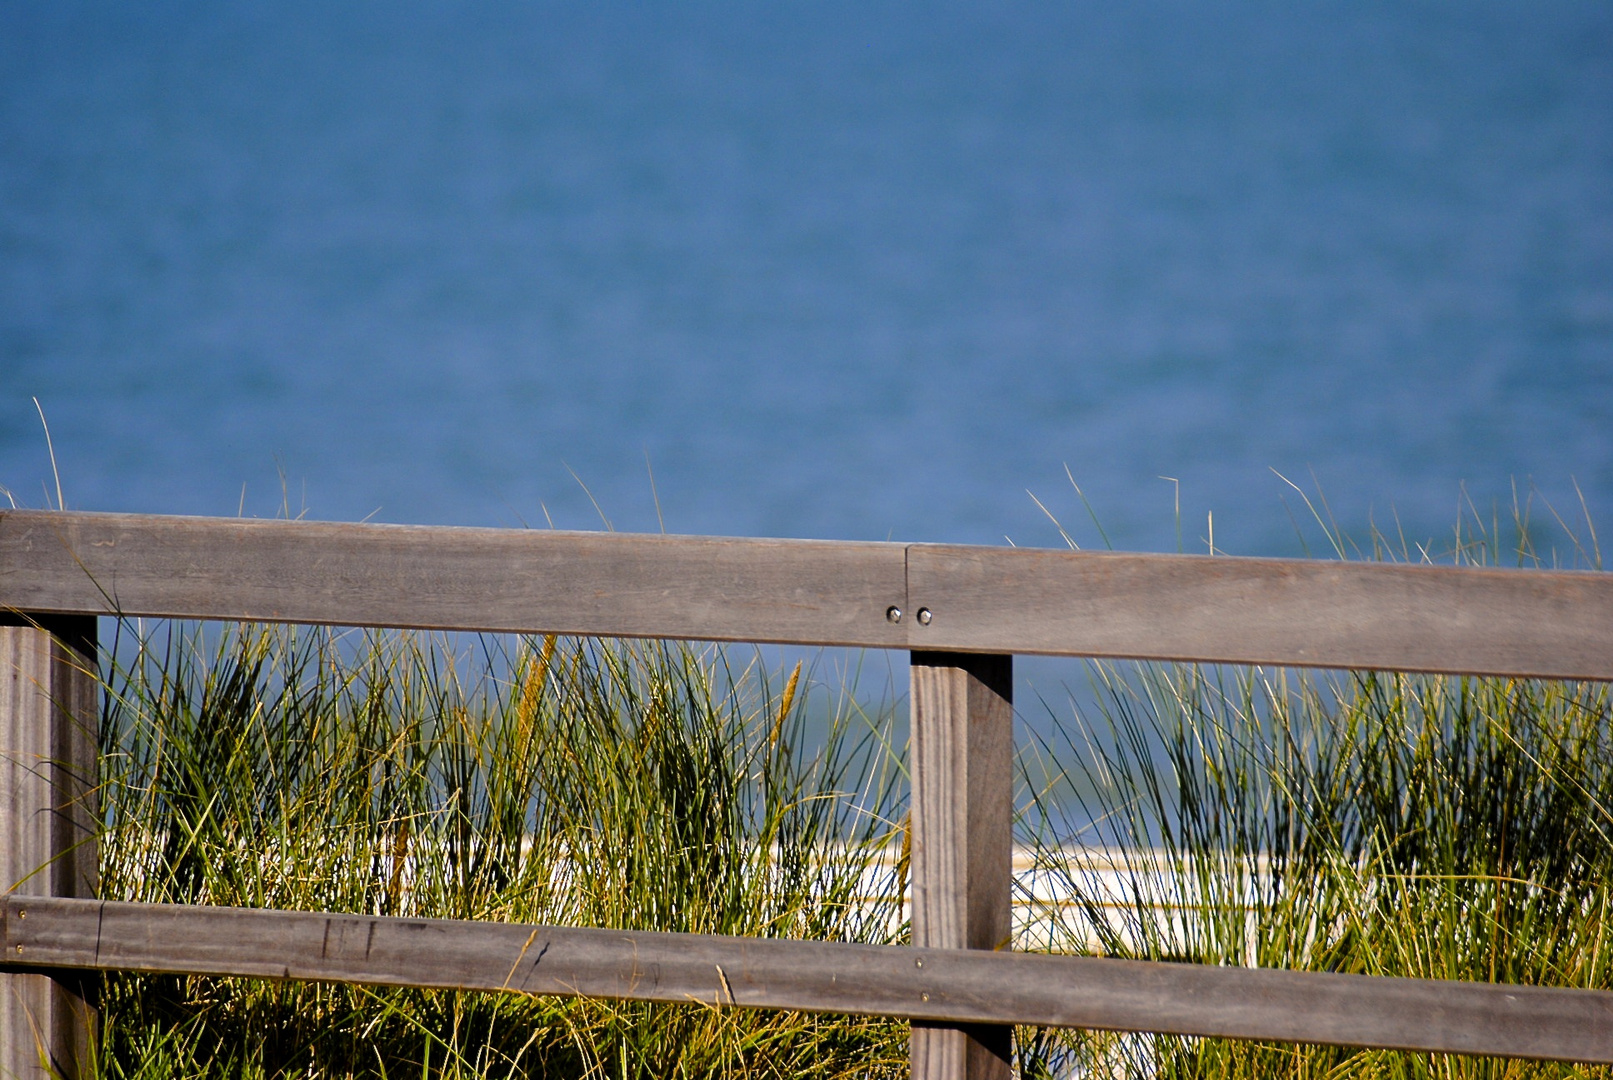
x: 860, y: 270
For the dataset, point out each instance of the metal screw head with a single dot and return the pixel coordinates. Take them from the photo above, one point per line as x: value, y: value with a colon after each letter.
x: 893, y: 614
x: 925, y: 616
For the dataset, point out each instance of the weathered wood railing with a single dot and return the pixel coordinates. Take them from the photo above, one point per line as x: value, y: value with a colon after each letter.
x: 963, y: 612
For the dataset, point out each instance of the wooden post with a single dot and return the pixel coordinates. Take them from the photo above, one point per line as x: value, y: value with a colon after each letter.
x: 962, y: 838
x: 49, y: 715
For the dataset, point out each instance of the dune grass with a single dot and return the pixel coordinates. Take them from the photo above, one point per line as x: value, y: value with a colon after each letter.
x: 632, y: 785
x: 1374, y: 823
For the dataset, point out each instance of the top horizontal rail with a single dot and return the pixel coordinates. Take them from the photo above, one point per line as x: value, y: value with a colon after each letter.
x: 1307, y: 613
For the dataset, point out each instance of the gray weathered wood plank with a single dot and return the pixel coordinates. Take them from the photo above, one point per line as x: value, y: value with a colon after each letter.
x: 961, y: 829
x: 1311, y: 613
x: 49, y: 712
x: 1303, y: 613
x: 605, y: 584
x: 937, y: 985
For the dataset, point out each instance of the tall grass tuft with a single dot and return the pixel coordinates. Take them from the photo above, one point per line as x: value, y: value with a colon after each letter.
x: 1429, y: 827
x: 632, y: 785
x: 1382, y: 824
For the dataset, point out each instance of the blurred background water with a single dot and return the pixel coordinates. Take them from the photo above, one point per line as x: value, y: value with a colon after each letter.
x: 855, y: 270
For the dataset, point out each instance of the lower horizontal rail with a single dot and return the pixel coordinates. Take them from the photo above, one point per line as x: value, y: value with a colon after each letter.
x: 951, y: 986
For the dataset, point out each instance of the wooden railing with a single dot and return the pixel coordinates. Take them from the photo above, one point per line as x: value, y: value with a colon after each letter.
x: 963, y: 612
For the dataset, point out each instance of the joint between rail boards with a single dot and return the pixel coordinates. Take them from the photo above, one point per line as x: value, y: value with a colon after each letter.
x: 907, y: 580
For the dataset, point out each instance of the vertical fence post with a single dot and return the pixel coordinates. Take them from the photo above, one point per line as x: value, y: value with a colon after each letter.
x: 962, y: 838
x: 49, y: 714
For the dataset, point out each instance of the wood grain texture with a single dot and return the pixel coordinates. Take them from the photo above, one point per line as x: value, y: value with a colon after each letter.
x: 962, y: 838
x: 605, y: 584
x: 1304, y: 613
x: 1309, y: 613
x: 48, y: 716
x: 952, y: 986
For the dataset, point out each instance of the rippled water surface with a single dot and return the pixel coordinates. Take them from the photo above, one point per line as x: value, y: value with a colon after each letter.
x: 830, y: 269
